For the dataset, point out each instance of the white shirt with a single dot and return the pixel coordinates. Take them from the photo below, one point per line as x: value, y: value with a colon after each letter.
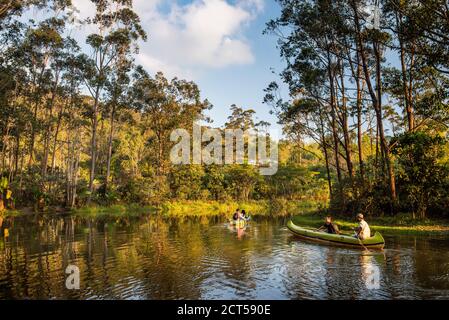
x: 365, y: 232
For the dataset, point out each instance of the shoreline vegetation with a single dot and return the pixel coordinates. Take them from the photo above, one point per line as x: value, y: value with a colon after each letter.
x: 188, y: 208
x: 305, y: 213
x: 83, y: 125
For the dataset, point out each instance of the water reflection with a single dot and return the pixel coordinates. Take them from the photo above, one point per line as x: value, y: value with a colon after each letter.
x: 151, y: 257
x: 239, y: 230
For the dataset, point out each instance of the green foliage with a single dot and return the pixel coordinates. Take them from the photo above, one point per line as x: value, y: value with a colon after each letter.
x: 294, y: 182
x: 266, y: 208
x: 332, y: 57
x: 143, y: 190
x: 186, y: 182
x: 423, y: 179
x: 84, y: 125
x: 240, y: 118
x: 3, y: 184
x: 214, y: 182
x: 114, y: 211
x: 360, y: 196
x: 240, y: 180
x: 422, y: 174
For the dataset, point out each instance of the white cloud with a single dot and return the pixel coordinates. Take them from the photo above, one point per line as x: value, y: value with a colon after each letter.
x: 192, y: 37
x: 154, y: 65
x: 84, y: 8
x: 255, y: 6
x: 186, y: 39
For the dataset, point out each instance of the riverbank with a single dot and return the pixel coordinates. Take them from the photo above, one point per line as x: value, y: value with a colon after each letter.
x: 259, y: 208
x: 265, y: 208
x: 10, y: 213
x: 165, y: 258
x: 386, y: 225
x: 311, y: 214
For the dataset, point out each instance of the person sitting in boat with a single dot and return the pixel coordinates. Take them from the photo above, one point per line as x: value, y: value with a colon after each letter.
x: 243, y: 215
x: 236, y: 215
x: 362, y: 231
x: 329, y: 226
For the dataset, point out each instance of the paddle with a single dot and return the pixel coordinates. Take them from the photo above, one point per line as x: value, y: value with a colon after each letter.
x: 357, y: 235
x: 361, y: 243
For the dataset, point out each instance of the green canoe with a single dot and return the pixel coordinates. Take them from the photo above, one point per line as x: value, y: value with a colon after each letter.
x: 239, y: 223
x: 375, y: 242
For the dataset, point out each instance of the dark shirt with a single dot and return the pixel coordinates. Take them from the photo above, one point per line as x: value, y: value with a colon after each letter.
x: 331, y: 228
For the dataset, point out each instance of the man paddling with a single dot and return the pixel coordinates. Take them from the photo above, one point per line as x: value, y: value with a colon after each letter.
x: 329, y: 226
x: 362, y: 231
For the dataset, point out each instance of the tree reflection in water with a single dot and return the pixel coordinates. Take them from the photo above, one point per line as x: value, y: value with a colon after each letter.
x: 154, y: 257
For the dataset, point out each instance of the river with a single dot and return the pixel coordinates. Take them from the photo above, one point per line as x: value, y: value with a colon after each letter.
x: 151, y: 257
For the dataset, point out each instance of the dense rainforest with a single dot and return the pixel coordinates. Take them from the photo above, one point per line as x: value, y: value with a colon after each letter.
x: 365, y: 121
x: 368, y: 82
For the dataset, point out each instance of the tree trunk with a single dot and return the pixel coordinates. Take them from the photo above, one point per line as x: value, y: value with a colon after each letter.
x: 16, y: 159
x: 376, y: 99
x: 359, y: 126
x: 356, y: 73
x: 406, y: 84
x: 49, y: 128
x: 334, y: 121
x: 55, y: 139
x: 4, y: 144
x: 346, y: 137
x: 326, y: 156
x: 385, y: 147
x: 75, y: 179
x: 93, y: 144
x: 33, y: 126
x: 109, y: 156
x: 73, y: 157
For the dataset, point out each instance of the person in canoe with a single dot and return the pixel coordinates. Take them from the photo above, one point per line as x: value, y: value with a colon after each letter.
x: 236, y: 215
x: 362, y: 231
x: 244, y: 216
x: 329, y: 226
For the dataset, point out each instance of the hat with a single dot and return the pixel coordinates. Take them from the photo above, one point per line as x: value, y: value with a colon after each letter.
x: 359, y: 215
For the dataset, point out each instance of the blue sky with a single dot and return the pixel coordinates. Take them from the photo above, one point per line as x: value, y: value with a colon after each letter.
x: 216, y: 43
x: 244, y: 84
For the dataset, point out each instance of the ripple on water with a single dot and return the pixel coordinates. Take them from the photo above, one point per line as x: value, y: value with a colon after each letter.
x: 165, y: 260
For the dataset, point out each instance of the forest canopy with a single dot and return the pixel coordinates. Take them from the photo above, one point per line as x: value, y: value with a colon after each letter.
x: 83, y: 124
x: 365, y: 121
x: 373, y: 95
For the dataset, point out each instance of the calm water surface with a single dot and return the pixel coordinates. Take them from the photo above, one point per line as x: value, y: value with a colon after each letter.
x: 156, y: 258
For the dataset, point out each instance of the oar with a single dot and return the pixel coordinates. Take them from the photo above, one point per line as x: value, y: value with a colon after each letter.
x: 361, y: 243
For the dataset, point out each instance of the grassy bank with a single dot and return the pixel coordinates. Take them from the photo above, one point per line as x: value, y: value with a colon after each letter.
x: 115, y: 210
x: 272, y: 208
x: 9, y: 213
x: 386, y: 225
x: 279, y: 207
x: 305, y: 213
